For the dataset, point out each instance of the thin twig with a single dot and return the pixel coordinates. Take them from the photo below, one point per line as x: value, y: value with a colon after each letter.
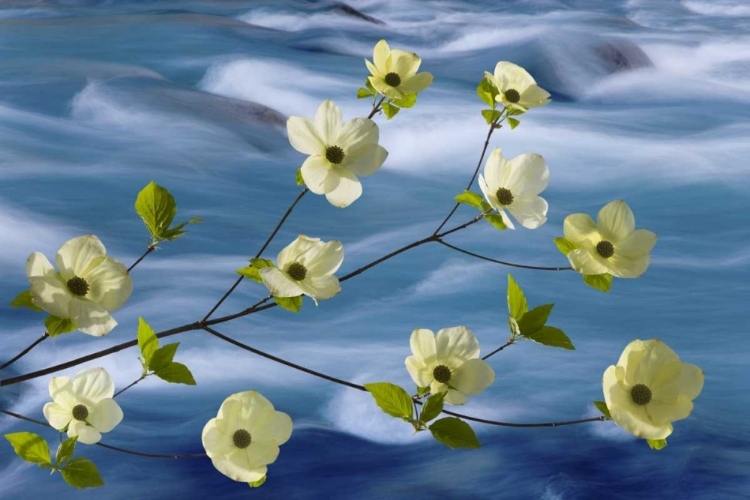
x: 511, y: 264
x: 129, y: 386
x: 150, y: 249
x: 509, y: 342
x: 23, y: 353
x: 376, y: 107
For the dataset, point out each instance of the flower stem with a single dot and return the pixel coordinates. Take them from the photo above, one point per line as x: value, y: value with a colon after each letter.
x: 376, y: 108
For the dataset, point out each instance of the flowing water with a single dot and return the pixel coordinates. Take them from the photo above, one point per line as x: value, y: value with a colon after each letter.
x: 651, y: 105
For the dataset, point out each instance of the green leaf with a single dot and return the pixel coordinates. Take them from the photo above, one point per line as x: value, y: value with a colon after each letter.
x: 513, y: 326
x: 157, y: 208
x: 535, y: 319
x: 29, y: 446
x: 490, y: 115
x: 514, y: 112
x: 175, y: 232
x: 433, y: 407
x: 513, y: 122
x: 261, y: 263
x: 408, y: 101
x: 657, y: 444
x: 389, y: 109
x: 162, y: 357
x: 57, y: 326
x: 487, y: 91
x: 517, y: 305
x: 392, y: 399
x: 473, y: 199
x: 253, y: 270
x: 259, y: 482
x: 423, y: 390
x: 601, y: 282
x: 299, y: 179
x: 23, y: 299
x: 293, y: 304
x: 602, y: 407
x: 496, y: 221
x: 565, y: 246
x: 65, y: 450
x: 175, y: 373
x: 363, y: 93
x: 147, y: 341
x: 551, y: 336
x: 82, y: 473
x: 455, y: 433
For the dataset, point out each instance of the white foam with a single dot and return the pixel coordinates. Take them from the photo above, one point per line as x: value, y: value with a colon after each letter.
x: 718, y: 8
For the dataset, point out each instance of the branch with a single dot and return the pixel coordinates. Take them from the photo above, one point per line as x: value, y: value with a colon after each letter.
x: 150, y: 249
x: 23, y: 353
x: 511, y: 264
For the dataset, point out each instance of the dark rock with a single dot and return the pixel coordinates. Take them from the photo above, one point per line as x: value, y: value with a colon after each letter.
x: 622, y: 55
x: 351, y: 11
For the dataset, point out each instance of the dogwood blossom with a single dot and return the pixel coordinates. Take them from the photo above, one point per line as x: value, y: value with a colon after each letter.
x: 518, y: 90
x: 394, y: 72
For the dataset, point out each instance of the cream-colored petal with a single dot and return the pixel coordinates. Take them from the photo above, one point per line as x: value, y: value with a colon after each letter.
x: 105, y: 415
x: 296, y: 251
x: 91, y: 318
x: 496, y: 170
x: 365, y: 160
x: 373, y: 69
x: 404, y: 64
x: 52, y: 295
x: 488, y: 194
x: 687, y: 382
x: 316, y: 172
x: 80, y: 255
x: 216, y: 443
x: 529, y: 210
x: 615, y: 221
x: 356, y: 134
x: 630, y: 359
x: 455, y: 398
x: 320, y: 287
x: 636, y: 245
x: 347, y: 191
x: 253, y: 405
x: 423, y: 346
x: 665, y: 413
x: 534, y: 96
x: 512, y: 76
x: 86, y: 434
x: 628, y: 415
x: 656, y: 356
x: 625, y: 268
x: 585, y: 262
x: 419, y: 371
x: 232, y: 468
x: 581, y: 230
x: 261, y: 452
x: 506, y: 219
x: 279, y: 283
x: 274, y: 426
x: 456, y: 345
x: 38, y: 266
x: 528, y: 175
x: 328, y: 122
x: 61, y: 392
x: 324, y: 259
x: 93, y: 385
x: 380, y: 54
x: 303, y: 136
x: 385, y: 89
x: 110, y: 285
x: 417, y: 83
x: 58, y: 416
x: 472, y: 377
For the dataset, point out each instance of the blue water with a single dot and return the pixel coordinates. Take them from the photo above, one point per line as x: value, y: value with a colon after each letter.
x: 651, y: 105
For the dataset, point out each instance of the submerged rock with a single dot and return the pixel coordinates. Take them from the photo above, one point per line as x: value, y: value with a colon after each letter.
x: 351, y: 11
x: 622, y: 55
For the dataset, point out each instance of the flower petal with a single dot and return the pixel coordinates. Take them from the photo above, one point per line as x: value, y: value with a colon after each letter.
x: 105, y: 415
x: 297, y: 250
x: 534, y: 96
x: 215, y: 442
x: 279, y: 284
x: 496, y: 170
x: 90, y: 317
x: 472, y: 377
x: 656, y: 356
x: 366, y: 160
x: 347, y: 191
x: 456, y: 398
x: 580, y: 229
x: 52, y: 295
x: 628, y: 415
x: 61, y: 392
x: 373, y: 69
x: 316, y: 172
x: 423, y: 346
x: 324, y: 259
x: 630, y: 359
x: 93, y: 385
x: 665, y: 413
x: 512, y: 76
x: 636, y: 245
x: 419, y: 371
x: 275, y: 426
x: 626, y: 268
x: 529, y: 175
x: 233, y: 469
x: 86, y: 434
x: 529, y: 210
x: 80, y: 255
x: 488, y: 194
x: 38, y: 266
x: 584, y: 262
x: 615, y: 221
x: 385, y: 89
x: 110, y: 284
x: 303, y: 136
x: 357, y: 133
x: 456, y: 345
x: 417, y: 83
x: 328, y: 122
x: 380, y: 54
x: 404, y: 64
x: 320, y: 287
x: 688, y: 381
x: 58, y: 416
x: 261, y: 451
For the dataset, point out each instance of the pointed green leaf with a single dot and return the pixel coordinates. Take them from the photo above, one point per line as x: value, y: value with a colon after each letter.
x: 253, y: 270
x: 147, y: 341
x: 490, y: 115
x: 514, y: 112
x: 517, y: 305
x: 432, y: 407
x: 293, y: 304
x: 363, y: 93
x: 513, y: 326
x: 565, y: 246
x: 175, y: 373
x: 163, y: 356
x: 392, y: 399
x: 455, y: 433
x: 259, y: 482
x: 24, y: 299
x: 657, y: 444
x: 175, y: 232
x: 389, y: 109
x: 487, y: 92
x: 261, y: 263
x: 157, y: 208
x: 29, y: 446
x: 298, y: 175
x: 423, y: 390
x: 601, y: 282
x: 57, y: 326
x: 551, y: 336
x: 496, y: 220
x: 602, y: 407
x: 473, y: 199
x: 82, y: 473
x: 513, y: 122
x: 66, y: 450
x: 408, y: 101
x: 535, y: 319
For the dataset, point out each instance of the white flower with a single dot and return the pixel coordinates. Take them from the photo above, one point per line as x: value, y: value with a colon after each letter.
x: 245, y: 436
x: 448, y: 362
x: 612, y: 245
x: 394, y: 73
x: 305, y: 267
x: 650, y: 388
x: 84, y: 405
x: 518, y: 90
x: 514, y: 185
x: 338, y: 154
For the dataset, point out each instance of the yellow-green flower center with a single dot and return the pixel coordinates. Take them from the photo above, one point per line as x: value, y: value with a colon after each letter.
x: 241, y: 438
x: 504, y: 196
x: 441, y: 373
x: 80, y: 412
x: 641, y: 394
x: 605, y: 249
x: 78, y: 286
x: 392, y: 79
x: 512, y: 95
x: 297, y: 271
x: 335, y: 155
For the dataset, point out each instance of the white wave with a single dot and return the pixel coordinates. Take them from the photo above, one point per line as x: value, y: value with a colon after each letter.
x: 456, y: 276
x: 298, y: 21
x: 718, y: 8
